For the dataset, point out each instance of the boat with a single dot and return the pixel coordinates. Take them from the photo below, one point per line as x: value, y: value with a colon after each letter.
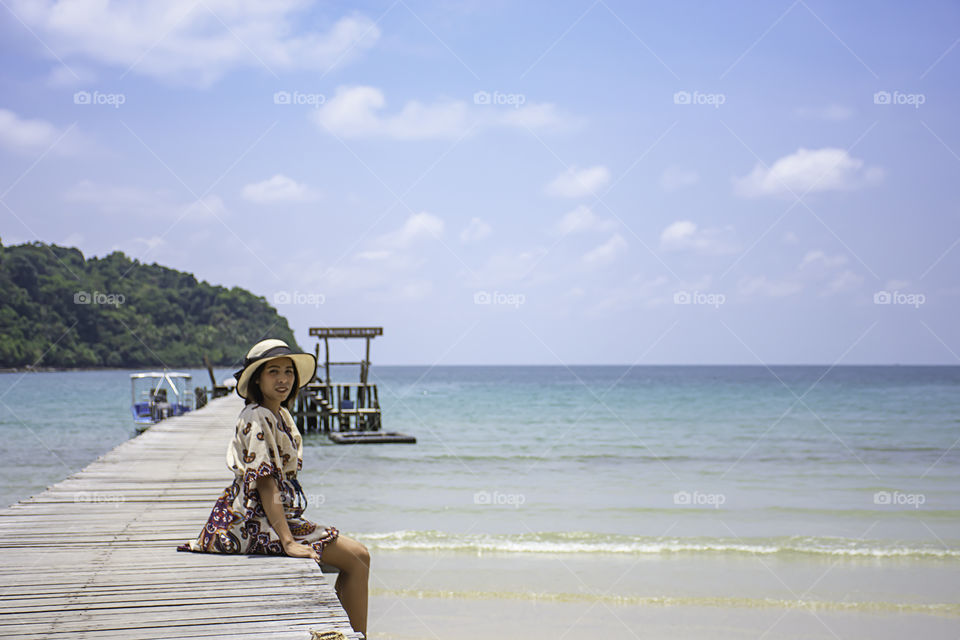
x: 370, y: 437
x: 156, y: 395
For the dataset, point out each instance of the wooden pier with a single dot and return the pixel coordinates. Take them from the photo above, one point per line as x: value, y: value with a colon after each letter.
x: 347, y: 412
x: 95, y: 555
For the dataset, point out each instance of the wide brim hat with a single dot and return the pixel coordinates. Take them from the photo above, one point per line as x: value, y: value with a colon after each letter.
x: 266, y: 350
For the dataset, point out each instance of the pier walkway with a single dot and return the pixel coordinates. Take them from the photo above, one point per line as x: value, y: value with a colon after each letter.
x: 95, y: 555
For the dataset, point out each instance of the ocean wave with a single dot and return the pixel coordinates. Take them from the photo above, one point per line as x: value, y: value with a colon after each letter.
x: 937, y: 608
x: 596, y: 543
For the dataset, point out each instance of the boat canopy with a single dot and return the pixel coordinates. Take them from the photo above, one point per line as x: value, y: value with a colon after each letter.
x: 185, y: 380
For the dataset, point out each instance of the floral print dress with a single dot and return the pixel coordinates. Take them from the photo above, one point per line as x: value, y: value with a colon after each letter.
x: 262, y: 446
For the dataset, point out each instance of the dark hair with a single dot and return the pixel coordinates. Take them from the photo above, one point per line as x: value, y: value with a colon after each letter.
x: 255, y: 395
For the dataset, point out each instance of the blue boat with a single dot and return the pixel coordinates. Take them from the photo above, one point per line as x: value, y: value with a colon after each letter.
x: 156, y: 395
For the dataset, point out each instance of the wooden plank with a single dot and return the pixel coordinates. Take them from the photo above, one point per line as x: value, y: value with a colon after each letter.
x: 95, y: 554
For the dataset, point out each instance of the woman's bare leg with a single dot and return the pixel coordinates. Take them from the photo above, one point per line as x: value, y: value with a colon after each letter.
x: 353, y: 560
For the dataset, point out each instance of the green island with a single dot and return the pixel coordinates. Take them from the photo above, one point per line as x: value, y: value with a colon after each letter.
x: 61, y: 310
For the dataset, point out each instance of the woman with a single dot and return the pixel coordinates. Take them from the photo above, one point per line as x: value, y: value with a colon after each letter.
x: 261, y: 511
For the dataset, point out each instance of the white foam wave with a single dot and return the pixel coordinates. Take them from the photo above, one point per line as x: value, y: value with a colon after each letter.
x: 581, y: 543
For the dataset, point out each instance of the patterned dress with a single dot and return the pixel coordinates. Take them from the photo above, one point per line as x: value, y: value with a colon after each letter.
x: 262, y: 446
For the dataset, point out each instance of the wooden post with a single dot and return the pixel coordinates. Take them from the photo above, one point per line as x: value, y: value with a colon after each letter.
x: 213, y: 380
x: 300, y: 407
x: 366, y: 364
x: 326, y: 354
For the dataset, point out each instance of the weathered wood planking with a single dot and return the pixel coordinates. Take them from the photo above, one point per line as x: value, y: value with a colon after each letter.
x: 95, y: 555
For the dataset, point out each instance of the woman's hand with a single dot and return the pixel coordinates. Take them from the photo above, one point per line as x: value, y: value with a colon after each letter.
x: 270, y: 499
x: 296, y: 550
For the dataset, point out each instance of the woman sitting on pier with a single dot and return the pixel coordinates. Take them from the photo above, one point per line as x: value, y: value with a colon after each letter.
x: 261, y: 512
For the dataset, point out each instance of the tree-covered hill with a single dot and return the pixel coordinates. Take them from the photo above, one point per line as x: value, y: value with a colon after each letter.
x: 58, y: 309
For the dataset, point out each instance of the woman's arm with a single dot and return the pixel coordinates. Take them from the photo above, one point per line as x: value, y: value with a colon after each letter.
x: 270, y: 499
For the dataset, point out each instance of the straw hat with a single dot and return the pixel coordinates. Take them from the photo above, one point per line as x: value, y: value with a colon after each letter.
x: 266, y: 350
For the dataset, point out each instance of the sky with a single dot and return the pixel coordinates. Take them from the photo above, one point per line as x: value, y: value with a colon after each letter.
x: 556, y: 183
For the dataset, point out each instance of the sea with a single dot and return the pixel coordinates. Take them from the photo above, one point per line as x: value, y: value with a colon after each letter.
x: 609, y: 501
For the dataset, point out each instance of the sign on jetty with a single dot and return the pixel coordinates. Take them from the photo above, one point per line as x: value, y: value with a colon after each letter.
x: 96, y: 554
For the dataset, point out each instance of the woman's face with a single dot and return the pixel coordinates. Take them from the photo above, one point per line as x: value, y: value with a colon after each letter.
x: 276, y: 380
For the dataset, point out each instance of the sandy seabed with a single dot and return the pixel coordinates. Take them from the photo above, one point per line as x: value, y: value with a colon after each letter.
x: 457, y: 596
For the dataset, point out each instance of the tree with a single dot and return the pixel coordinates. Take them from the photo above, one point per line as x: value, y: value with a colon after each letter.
x: 58, y: 309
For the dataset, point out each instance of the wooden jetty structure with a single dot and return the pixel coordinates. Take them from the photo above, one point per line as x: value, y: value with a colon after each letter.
x: 95, y: 556
x: 347, y: 412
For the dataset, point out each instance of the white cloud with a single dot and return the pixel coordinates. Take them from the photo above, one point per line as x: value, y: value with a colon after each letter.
x: 350, y: 111
x: 150, y: 243
x: 417, y: 226
x: 354, y: 112
x: 391, y: 259
x: 818, y: 258
x: 816, y: 264
x: 674, y: 178
x: 23, y: 135
x: 574, y: 183
x: 476, y: 231
x: 210, y: 206
x: 686, y: 235
x: 194, y: 42
x: 361, y: 112
x: 807, y: 170
x: 817, y: 271
x: 582, y: 219
x: 833, y: 112
x: 606, y: 252
x: 279, y: 188
x: 678, y: 233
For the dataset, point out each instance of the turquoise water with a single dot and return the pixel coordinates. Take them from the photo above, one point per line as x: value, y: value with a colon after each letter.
x: 849, y: 462
x: 56, y: 423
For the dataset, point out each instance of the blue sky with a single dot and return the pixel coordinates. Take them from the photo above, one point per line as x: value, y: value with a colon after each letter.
x: 497, y: 182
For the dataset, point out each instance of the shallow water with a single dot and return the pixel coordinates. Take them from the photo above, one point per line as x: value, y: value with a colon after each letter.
x: 743, y: 474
